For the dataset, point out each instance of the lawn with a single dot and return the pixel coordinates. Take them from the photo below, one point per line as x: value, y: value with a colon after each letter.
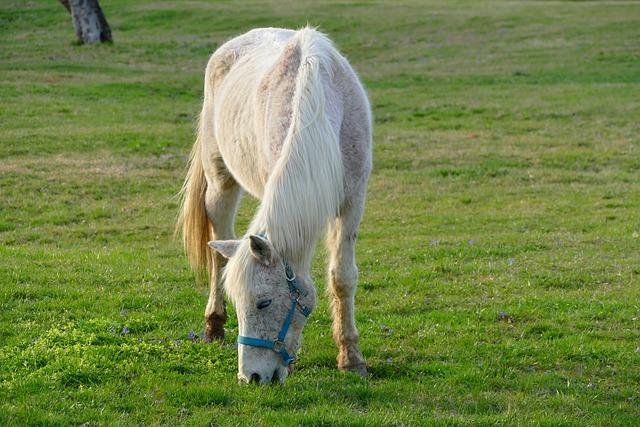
x: 499, y: 253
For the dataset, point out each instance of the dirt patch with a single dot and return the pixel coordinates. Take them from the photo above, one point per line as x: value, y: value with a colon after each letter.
x: 99, y: 164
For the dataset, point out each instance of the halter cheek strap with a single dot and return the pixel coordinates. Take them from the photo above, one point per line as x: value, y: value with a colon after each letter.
x: 278, y: 344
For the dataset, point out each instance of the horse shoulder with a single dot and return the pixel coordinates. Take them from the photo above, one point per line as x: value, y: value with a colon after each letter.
x: 274, y: 97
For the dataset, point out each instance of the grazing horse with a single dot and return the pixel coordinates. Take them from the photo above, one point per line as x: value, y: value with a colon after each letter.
x: 286, y: 119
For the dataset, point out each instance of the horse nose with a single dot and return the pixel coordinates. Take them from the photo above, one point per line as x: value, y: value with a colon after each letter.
x: 255, y: 378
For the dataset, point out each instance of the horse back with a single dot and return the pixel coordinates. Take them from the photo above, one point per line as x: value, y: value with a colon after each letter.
x: 253, y: 77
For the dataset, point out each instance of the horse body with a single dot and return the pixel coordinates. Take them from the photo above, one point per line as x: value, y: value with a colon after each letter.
x: 240, y: 113
x: 285, y: 118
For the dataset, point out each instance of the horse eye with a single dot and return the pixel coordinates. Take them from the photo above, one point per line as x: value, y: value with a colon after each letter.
x: 263, y: 304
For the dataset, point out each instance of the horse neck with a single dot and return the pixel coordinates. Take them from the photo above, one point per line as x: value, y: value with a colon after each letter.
x: 305, y: 187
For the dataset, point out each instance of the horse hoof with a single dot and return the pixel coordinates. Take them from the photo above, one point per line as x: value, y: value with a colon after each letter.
x: 214, y: 327
x: 360, y: 369
x: 213, y: 334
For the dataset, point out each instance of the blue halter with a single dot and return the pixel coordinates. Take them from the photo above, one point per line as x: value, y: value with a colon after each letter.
x: 278, y: 344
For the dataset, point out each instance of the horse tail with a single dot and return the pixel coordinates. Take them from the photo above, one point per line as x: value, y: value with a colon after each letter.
x: 306, y: 187
x: 193, y: 221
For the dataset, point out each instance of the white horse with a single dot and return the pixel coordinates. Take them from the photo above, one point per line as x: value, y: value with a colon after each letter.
x: 286, y: 119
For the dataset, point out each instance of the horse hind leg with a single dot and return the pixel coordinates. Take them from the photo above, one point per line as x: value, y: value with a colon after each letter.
x: 343, y: 278
x: 221, y: 203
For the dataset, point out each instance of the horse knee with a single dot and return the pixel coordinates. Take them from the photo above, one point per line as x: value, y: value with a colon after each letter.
x: 212, y: 204
x: 221, y: 204
x: 344, y: 281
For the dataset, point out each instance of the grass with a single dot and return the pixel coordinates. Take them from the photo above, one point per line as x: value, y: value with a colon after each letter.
x: 507, y: 161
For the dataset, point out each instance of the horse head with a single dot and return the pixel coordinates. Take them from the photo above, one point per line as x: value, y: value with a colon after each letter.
x: 272, y: 306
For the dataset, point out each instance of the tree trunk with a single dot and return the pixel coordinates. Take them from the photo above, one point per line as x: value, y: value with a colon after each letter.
x: 88, y: 20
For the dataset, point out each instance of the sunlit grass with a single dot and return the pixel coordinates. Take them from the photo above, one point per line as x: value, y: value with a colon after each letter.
x: 499, y: 262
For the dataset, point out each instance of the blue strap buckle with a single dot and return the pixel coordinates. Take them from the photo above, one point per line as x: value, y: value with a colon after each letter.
x: 278, y: 345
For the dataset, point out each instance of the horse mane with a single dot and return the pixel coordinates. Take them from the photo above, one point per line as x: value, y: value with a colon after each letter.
x: 306, y: 185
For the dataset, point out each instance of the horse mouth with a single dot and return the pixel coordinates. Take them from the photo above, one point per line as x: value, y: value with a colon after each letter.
x: 275, y: 379
x: 278, y: 377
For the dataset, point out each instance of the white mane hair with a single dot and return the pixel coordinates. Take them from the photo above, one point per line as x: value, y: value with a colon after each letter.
x: 306, y: 186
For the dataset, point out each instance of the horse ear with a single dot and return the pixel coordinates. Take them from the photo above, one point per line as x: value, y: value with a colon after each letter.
x: 226, y: 248
x: 261, y: 249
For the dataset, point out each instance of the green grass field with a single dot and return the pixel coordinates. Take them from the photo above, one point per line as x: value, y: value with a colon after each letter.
x: 506, y: 180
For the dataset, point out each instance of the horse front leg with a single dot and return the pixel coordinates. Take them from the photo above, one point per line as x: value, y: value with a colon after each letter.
x: 343, y: 281
x: 215, y: 314
x: 221, y: 203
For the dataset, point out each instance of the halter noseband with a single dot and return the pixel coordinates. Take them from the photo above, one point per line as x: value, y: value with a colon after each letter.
x: 278, y: 344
